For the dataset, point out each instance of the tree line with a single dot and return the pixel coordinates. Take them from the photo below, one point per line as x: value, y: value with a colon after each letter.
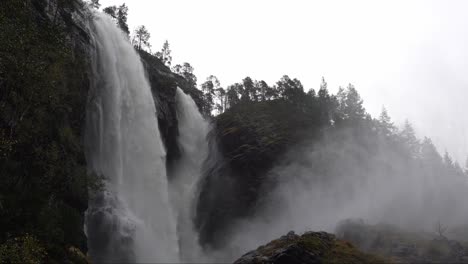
x: 346, y: 106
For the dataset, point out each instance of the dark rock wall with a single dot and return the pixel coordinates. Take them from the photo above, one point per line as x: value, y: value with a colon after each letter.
x: 44, y: 80
x: 248, y: 140
x: 164, y: 84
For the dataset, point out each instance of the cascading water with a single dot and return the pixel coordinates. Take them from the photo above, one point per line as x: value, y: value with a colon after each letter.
x: 193, y: 130
x: 132, y: 220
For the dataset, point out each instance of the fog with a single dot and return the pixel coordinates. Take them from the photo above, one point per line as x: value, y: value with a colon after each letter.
x: 409, y: 56
x: 320, y: 184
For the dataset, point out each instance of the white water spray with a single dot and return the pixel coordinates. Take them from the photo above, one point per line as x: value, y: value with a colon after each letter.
x: 192, y: 141
x: 133, y: 220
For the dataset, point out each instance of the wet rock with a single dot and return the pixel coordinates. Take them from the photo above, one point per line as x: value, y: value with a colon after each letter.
x: 311, y: 247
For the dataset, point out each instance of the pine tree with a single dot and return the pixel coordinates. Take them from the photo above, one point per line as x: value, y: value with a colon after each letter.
x: 165, y: 54
x: 409, y: 139
x: 122, y: 13
x: 261, y: 88
x: 111, y: 11
x: 220, y: 97
x: 249, y: 90
x: 353, y: 108
x: 386, y: 126
x: 233, y: 95
x: 186, y: 71
x: 447, y: 159
x: 141, y: 38
x: 208, y: 89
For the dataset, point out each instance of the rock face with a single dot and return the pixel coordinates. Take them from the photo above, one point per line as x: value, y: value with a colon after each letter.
x: 44, y: 79
x: 250, y: 138
x: 164, y: 84
x: 45, y: 75
x: 311, y: 247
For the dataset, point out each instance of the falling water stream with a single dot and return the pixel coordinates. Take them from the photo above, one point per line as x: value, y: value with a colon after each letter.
x: 183, y: 186
x: 133, y: 219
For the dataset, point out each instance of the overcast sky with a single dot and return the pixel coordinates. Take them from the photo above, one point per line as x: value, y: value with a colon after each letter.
x: 411, y: 56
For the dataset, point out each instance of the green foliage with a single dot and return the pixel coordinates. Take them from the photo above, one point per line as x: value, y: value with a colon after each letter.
x: 331, y: 135
x: 43, y: 88
x: 311, y: 247
x: 24, y: 249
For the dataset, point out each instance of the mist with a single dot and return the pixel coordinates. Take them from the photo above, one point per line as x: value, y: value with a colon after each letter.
x: 348, y: 176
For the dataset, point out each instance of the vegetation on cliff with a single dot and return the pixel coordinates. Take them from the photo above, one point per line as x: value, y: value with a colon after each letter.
x: 311, y: 247
x: 328, y: 138
x: 43, y: 90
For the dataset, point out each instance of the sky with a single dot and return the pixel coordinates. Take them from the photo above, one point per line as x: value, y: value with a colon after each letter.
x: 409, y: 56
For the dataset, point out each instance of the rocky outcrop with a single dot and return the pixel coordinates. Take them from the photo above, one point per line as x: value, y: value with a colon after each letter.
x: 164, y: 84
x: 311, y: 247
x: 250, y: 138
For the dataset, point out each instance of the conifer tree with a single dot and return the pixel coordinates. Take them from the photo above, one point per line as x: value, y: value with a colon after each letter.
x: 121, y: 15
x: 141, y: 38
x: 386, y: 126
x: 408, y: 136
x: 165, y: 54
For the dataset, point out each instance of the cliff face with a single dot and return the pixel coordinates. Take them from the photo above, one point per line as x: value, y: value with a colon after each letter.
x: 45, y: 75
x: 247, y: 141
x: 44, y: 79
x: 164, y: 84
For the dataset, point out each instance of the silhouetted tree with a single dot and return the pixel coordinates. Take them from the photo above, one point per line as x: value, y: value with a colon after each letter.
x: 232, y: 94
x: 186, y: 71
x: 220, y: 98
x: 111, y: 11
x: 248, y: 89
x: 325, y: 103
x: 165, y: 54
x: 122, y: 13
x: 290, y: 89
x: 261, y: 88
x: 408, y: 136
x: 95, y: 4
x: 447, y: 159
x: 351, y: 104
x: 385, y: 124
x: 141, y: 38
x: 429, y: 155
x: 271, y: 93
x: 208, y: 89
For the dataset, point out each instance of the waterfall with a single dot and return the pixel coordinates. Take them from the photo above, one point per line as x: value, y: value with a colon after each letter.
x: 133, y: 219
x: 192, y: 142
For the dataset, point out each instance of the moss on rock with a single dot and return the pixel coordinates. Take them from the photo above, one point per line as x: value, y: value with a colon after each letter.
x: 311, y: 247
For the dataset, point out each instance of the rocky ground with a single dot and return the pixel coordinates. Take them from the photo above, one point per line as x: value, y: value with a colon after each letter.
x: 311, y: 247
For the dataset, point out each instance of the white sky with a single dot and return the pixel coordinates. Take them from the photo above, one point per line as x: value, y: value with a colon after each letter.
x: 411, y: 56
